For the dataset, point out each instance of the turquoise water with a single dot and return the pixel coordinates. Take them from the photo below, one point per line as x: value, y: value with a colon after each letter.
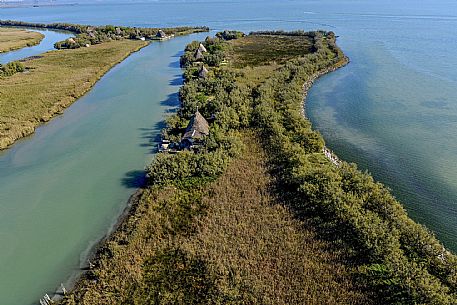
x: 45, y: 45
x: 392, y: 110
x: 62, y: 189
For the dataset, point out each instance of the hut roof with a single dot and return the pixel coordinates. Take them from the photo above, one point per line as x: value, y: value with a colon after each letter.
x: 161, y: 34
x: 198, y: 127
x: 203, y: 72
x: 198, y: 54
x: 202, y: 48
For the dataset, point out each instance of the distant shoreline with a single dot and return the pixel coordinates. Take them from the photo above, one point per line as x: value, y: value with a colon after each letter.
x: 28, y: 5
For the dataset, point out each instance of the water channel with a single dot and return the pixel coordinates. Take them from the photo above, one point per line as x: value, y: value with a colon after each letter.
x: 61, y: 188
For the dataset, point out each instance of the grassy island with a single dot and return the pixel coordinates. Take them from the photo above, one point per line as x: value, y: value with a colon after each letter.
x: 54, y: 80
x: 13, y: 39
x: 257, y: 212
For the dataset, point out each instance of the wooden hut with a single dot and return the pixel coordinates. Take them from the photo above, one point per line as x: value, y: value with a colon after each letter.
x: 196, y: 131
x: 202, y: 48
x: 198, y: 55
x: 161, y: 34
x: 203, y: 73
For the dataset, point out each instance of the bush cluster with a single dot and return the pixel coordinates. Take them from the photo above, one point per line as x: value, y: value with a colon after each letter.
x: 11, y: 68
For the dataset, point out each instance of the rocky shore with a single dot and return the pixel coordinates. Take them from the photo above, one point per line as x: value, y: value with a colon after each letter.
x: 326, y: 151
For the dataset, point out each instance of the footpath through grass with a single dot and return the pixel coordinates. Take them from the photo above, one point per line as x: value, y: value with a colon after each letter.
x: 13, y: 39
x: 52, y: 82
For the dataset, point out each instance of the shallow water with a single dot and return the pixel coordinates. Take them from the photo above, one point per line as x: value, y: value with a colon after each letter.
x: 47, y: 44
x: 392, y: 110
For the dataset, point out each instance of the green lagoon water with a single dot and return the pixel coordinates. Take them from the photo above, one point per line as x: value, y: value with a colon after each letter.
x: 392, y: 110
x: 63, y: 188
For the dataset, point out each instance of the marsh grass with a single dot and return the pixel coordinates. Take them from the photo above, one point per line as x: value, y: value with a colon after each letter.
x: 259, y: 50
x: 255, y: 248
x: 51, y: 83
x: 13, y: 39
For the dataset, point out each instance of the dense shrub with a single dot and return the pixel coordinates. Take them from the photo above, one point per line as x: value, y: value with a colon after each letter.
x: 229, y: 35
x: 11, y: 68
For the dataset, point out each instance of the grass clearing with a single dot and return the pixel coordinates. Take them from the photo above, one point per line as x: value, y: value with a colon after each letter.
x: 258, y: 50
x: 13, y: 39
x: 255, y: 248
x: 51, y: 83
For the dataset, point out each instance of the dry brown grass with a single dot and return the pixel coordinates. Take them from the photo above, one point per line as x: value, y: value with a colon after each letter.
x: 249, y: 239
x: 13, y: 39
x: 258, y: 50
x: 52, y: 83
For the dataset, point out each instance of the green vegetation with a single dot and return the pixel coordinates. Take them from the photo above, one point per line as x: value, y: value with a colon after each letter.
x: 13, y: 39
x: 11, y: 68
x: 91, y: 35
x: 260, y: 215
x: 51, y: 83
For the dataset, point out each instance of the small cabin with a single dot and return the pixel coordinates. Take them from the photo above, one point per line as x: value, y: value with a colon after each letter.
x: 163, y: 146
x: 198, y: 55
x: 196, y: 132
x: 161, y: 34
x: 203, y: 73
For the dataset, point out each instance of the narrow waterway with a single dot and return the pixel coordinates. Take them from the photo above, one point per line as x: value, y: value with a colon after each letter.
x: 47, y: 44
x: 63, y: 187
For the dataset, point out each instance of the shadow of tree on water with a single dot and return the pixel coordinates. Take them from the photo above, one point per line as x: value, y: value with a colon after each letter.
x: 172, y: 100
x: 134, y: 179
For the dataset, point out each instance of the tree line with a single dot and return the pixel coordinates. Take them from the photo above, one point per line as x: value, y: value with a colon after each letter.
x: 91, y: 35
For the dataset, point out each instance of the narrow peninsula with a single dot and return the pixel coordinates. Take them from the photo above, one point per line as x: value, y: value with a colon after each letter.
x: 244, y: 204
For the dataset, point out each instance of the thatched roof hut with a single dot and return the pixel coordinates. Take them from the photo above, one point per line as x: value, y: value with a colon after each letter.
x: 198, y: 55
x: 161, y: 34
x: 197, y: 129
x: 202, y: 48
x: 203, y: 73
